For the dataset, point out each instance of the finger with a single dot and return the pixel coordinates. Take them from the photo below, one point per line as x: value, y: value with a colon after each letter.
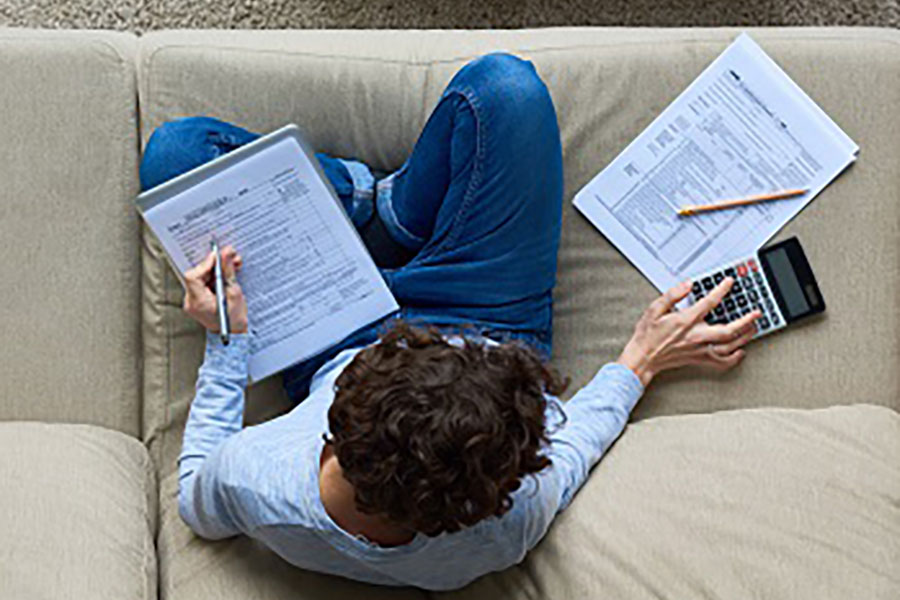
x: 744, y: 324
x: 725, y: 333
x: 724, y: 363
x: 729, y: 347
x: 667, y: 301
x: 228, y: 269
x: 229, y: 255
x: 699, y: 310
x: 234, y: 293
x: 195, y: 279
x: 702, y: 356
x: 708, y: 357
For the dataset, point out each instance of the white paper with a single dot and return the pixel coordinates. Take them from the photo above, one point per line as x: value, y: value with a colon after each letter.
x: 741, y: 128
x: 307, y: 277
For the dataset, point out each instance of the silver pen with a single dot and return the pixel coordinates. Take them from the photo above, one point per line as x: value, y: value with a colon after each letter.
x: 221, y: 303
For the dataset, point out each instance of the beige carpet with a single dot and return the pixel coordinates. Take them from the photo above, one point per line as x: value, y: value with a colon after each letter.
x: 141, y: 15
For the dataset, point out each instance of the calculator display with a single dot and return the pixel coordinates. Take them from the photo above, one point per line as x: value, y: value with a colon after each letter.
x: 786, y: 279
x: 792, y: 281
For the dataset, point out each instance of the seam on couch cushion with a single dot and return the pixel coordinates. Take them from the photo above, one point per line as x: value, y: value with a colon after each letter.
x: 151, y: 561
x: 169, y: 356
x: 456, y: 58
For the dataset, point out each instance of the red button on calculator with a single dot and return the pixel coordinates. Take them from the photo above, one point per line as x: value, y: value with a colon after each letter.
x: 742, y: 270
x: 753, y: 265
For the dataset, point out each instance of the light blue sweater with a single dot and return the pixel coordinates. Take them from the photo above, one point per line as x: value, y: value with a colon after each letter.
x: 263, y: 481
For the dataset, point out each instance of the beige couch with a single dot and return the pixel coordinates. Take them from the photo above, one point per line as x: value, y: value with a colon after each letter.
x: 779, y: 480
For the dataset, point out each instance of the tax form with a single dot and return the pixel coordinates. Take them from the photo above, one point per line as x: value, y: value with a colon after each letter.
x: 307, y: 277
x: 743, y: 127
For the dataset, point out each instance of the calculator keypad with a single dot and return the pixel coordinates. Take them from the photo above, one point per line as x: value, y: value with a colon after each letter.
x: 750, y: 291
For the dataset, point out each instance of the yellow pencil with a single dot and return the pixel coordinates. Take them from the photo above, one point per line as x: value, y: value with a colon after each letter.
x: 701, y: 208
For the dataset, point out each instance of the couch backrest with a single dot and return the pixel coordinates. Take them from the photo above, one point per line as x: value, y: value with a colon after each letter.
x: 70, y: 271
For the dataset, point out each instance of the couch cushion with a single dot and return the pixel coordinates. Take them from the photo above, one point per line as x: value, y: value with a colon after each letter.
x: 71, y: 291
x: 368, y: 93
x: 242, y: 569
x: 764, y: 503
x: 77, y: 513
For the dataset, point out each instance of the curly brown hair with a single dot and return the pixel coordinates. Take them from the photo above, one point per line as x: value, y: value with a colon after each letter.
x: 437, y: 436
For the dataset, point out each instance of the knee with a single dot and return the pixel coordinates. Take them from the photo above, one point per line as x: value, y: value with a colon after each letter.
x: 187, y: 132
x: 172, y: 134
x: 507, y: 82
x: 500, y: 67
x: 161, y: 153
x: 175, y: 147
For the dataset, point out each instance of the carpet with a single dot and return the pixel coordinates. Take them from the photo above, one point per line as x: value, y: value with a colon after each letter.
x: 143, y: 15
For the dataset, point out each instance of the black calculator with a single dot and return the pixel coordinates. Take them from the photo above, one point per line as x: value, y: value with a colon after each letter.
x: 776, y: 280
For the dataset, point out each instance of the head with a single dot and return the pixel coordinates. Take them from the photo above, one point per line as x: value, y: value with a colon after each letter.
x: 435, y: 436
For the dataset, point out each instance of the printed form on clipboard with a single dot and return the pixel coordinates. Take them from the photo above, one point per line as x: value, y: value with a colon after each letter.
x: 308, y: 279
x: 743, y: 127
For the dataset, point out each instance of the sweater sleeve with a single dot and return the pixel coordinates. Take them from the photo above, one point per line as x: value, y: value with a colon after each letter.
x: 594, y: 418
x: 216, y: 414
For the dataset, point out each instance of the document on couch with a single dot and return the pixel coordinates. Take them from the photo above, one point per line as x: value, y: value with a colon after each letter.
x: 743, y: 127
x: 308, y: 279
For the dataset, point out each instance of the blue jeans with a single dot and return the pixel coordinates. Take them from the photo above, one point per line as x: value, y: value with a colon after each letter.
x: 478, y: 201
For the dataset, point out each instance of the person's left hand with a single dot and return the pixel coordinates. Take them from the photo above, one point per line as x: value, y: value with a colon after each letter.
x: 667, y: 339
x: 200, y: 299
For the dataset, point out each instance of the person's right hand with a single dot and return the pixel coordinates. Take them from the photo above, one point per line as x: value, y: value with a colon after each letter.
x: 200, y: 299
x: 666, y: 339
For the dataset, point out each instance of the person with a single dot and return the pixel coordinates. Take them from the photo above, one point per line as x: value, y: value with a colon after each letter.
x: 430, y: 448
